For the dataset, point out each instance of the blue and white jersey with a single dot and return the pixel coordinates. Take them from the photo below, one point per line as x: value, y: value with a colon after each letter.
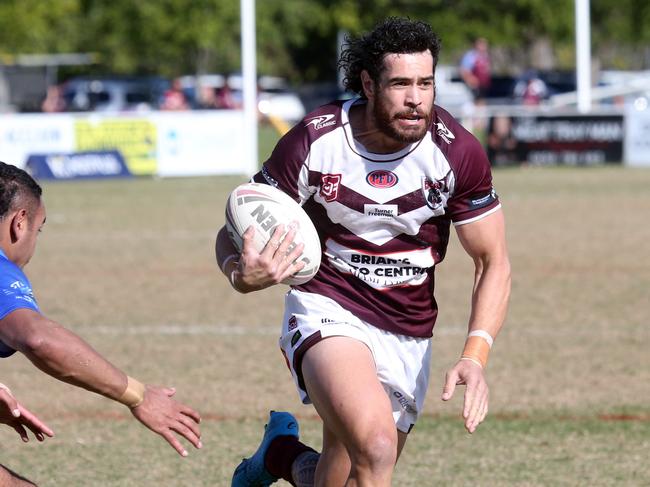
x: 15, y: 293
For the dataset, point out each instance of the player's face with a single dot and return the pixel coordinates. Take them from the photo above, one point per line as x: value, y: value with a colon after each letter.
x: 403, y: 99
x: 28, y: 239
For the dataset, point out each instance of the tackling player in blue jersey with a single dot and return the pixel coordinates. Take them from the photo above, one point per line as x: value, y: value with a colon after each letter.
x: 54, y: 349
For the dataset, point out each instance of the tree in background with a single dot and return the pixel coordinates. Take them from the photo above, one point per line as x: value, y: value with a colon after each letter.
x: 297, y: 38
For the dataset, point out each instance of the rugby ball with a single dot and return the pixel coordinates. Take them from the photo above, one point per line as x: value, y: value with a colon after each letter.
x: 264, y: 207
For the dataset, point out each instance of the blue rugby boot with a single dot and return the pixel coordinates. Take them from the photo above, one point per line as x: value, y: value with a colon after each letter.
x: 251, y: 472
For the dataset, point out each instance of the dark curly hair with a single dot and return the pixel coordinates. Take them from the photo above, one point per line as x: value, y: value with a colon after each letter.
x: 17, y: 187
x: 393, y: 35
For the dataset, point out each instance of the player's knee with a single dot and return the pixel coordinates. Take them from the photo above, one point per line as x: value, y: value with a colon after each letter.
x: 378, y: 451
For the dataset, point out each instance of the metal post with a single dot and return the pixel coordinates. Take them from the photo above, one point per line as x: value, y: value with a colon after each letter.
x: 249, y: 75
x: 583, y: 55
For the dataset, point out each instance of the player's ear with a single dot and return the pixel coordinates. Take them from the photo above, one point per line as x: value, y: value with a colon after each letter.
x: 368, y: 85
x: 19, y: 224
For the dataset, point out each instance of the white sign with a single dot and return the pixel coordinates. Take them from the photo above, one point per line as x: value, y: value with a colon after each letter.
x: 22, y: 135
x: 637, y: 137
x: 192, y: 143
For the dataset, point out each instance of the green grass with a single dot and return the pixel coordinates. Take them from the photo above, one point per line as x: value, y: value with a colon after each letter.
x: 129, y: 265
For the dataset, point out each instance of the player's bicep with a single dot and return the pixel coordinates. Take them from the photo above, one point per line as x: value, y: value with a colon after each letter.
x: 20, y: 328
x: 484, y: 239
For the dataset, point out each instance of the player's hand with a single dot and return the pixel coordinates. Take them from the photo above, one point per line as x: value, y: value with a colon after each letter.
x: 475, y: 403
x: 13, y: 414
x: 167, y: 417
x: 275, y: 263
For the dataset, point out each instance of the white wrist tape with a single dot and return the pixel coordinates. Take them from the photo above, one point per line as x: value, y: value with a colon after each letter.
x: 483, y: 334
x: 227, y: 260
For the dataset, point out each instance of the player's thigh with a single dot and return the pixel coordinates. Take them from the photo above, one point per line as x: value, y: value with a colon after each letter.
x: 341, y: 380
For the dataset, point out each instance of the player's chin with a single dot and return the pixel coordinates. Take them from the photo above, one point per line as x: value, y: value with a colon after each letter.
x: 411, y: 133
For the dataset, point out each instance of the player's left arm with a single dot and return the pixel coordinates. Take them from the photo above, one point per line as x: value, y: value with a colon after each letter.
x: 484, y: 241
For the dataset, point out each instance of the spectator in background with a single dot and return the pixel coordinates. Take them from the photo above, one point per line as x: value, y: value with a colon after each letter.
x: 226, y: 98
x: 531, y: 89
x: 476, y: 70
x: 54, y: 101
x: 174, y: 98
x: 501, y: 142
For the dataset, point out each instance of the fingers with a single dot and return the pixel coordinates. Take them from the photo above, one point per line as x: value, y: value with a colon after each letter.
x: 173, y: 441
x: 21, y: 431
x: 275, y: 242
x: 451, y: 379
x: 475, y: 404
x: 38, y: 427
x: 7, y: 397
x: 186, y: 431
x: 196, y: 417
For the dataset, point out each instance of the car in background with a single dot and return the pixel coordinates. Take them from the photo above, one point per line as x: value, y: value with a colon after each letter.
x: 114, y: 94
x: 275, y: 97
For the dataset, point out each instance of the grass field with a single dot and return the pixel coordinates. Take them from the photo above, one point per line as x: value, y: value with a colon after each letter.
x: 129, y: 266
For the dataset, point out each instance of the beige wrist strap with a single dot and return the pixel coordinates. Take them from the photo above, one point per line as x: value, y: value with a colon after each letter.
x: 133, y: 394
x: 477, y: 348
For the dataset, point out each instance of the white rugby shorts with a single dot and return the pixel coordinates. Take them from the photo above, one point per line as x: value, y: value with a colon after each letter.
x: 402, y: 362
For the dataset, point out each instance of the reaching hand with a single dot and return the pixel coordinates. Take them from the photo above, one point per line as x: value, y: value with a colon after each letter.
x: 165, y: 416
x: 12, y: 413
x: 475, y: 403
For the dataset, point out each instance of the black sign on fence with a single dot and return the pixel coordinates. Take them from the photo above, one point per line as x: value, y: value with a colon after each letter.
x: 574, y: 140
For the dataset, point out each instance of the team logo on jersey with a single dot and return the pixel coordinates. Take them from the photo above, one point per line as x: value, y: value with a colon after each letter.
x: 322, y: 121
x: 382, y: 179
x: 444, y: 132
x: 436, y: 192
x: 329, y: 186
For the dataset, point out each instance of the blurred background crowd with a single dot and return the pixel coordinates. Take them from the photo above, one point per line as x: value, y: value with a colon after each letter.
x: 96, y: 55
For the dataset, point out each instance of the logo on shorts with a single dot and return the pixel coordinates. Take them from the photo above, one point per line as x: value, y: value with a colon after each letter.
x: 329, y: 186
x: 382, y: 179
x: 292, y: 323
x: 406, y: 404
x: 294, y: 339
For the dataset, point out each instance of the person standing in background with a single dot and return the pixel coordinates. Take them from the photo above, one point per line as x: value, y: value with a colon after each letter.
x: 476, y: 69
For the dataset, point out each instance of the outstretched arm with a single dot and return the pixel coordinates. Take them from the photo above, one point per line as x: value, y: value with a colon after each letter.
x: 65, y: 356
x: 14, y: 414
x: 484, y: 240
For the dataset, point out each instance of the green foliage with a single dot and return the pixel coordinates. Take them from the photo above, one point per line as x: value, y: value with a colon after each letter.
x: 295, y: 38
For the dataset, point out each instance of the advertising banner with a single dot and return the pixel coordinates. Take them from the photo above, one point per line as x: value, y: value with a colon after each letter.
x: 77, y: 165
x: 574, y: 140
x: 191, y: 143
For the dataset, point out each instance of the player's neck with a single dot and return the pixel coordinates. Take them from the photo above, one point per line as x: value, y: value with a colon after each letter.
x: 368, y: 134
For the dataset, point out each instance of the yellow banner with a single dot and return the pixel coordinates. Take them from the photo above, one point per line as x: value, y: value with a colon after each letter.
x: 136, y: 139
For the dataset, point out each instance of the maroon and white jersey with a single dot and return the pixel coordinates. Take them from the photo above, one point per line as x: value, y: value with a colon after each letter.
x: 383, y: 219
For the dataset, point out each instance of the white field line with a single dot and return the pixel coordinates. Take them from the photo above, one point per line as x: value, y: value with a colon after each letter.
x: 222, y: 329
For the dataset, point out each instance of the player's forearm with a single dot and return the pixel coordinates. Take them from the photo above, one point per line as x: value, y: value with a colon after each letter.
x: 490, y: 295
x: 65, y: 356
x: 489, y: 307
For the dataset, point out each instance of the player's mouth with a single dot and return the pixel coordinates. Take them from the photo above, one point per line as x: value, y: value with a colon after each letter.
x: 410, y: 118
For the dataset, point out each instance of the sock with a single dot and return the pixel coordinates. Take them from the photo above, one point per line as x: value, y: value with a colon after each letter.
x: 303, y: 469
x: 281, y: 454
